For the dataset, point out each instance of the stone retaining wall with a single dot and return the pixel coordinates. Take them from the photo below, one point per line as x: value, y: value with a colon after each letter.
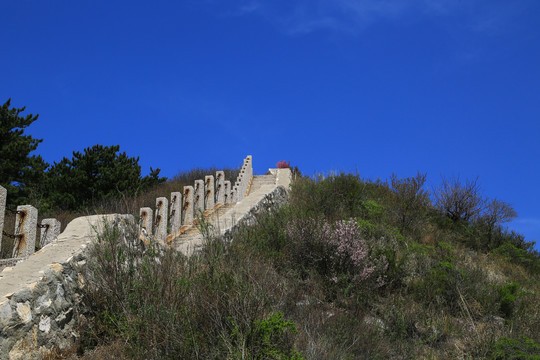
x: 47, y: 312
x: 271, y: 202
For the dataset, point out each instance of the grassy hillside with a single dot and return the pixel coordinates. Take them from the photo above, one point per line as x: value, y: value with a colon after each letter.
x: 351, y: 269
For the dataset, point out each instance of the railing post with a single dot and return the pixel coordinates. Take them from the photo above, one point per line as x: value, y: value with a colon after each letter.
x: 176, y: 212
x: 3, y: 196
x: 162, y: 207
x: 237, y: 189
x: 220, y: 189
x: 25, y: 231
x: 199, y: 197
x: 187, y: 205
x: 50, y: 229
x: 227, y: 192
x: 209, y: 192
x: 146, y: 220
x: 249, y: 173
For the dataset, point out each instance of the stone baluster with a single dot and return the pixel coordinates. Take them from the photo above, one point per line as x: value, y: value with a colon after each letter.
x: 227, y: 192
x: 25, y: 231
x: 162, y: 211
x: 209, y: 200
x: 249, y: 173
x: 146, y: 220
x: 220, y: 188
x: 198, y: 201
x: 50, y: 229
x: 3, y: 195
x: 176, y: 212
x: 187, y: 205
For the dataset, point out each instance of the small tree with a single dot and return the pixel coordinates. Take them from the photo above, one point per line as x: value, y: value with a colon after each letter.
x: 459, y: 201
x: 410, y: 200
x: 496, y: 212
x: 18, y: 169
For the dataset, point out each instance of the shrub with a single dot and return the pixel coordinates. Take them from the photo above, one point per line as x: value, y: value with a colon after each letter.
x: 270, y: 340
x: 283, y: 164
x: 459, y: 201
x: 517, y: 255
x: 508, y: 294
x: 351, y: 253
x: 521, y: 348
x: 440, y: 285
x: 410, y: 202
x: 164, y: 305
x: 338, y: 252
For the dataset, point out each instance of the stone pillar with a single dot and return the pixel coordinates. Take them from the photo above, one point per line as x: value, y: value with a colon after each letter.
x: 227, y: 192
x: 237, y: 196
x: 50, y: 229
x: 220, y: 189
x: 162, y: 213
x: 25, y: 230
x: 209, y: 192
x: 3, y: 195
x: 146, y: 218
x: 187, y: 205
x: 176, y: 212
x: 249, y: 173
x: 198, y: 201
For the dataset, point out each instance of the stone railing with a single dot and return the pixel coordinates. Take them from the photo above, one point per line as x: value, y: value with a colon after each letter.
x: 171, y: 219
x: 26, y: 225
x: 41, y: 299
x: 164, y: 223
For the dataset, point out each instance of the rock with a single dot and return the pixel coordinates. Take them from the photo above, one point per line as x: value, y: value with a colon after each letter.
x: 45, y: 324
x: 43, y: 303
x: 25, y: 312
x: 64, y: 317
x: 26, y: 348
x: 5, y: 312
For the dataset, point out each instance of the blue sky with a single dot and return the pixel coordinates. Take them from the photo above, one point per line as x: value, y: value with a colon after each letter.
x: 446, y: 87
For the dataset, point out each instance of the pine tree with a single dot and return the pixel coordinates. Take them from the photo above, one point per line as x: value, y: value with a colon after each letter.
x: 19, y: 170
x: 101, y: 172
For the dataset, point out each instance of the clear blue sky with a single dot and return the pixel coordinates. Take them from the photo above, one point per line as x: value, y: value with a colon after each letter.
x: 442, y: 86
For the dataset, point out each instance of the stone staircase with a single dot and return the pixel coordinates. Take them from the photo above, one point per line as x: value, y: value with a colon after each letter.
x: 226, y: 217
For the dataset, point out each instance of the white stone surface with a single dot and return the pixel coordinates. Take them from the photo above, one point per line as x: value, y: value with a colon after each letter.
x: 26, y: 228
x: 49, y: 232
x: 3, y: 196
x: 187, y: 205
x: 227, y: 191
x: 198, y: 200
x: 209, y: 192
x: 176, y: 212
x: 162, y: 213
x: 146, y: 218
x: 220, y: 187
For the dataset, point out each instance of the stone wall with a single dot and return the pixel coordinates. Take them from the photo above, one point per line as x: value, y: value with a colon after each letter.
x: 271, y: 202
x: 44, y: 309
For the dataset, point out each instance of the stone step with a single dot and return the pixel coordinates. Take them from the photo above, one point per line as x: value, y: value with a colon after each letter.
x: 261, y: 180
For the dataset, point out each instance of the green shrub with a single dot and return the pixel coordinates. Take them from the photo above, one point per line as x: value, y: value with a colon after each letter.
x: 521, y: 348
x: 517, y: 255
x: 440, y: 285
x: 270, y: 339
x: 508, y: 294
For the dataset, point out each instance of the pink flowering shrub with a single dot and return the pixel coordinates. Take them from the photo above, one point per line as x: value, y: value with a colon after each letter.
x: 352, y: 254
x: 283, y: 164
x: 337, y: 251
